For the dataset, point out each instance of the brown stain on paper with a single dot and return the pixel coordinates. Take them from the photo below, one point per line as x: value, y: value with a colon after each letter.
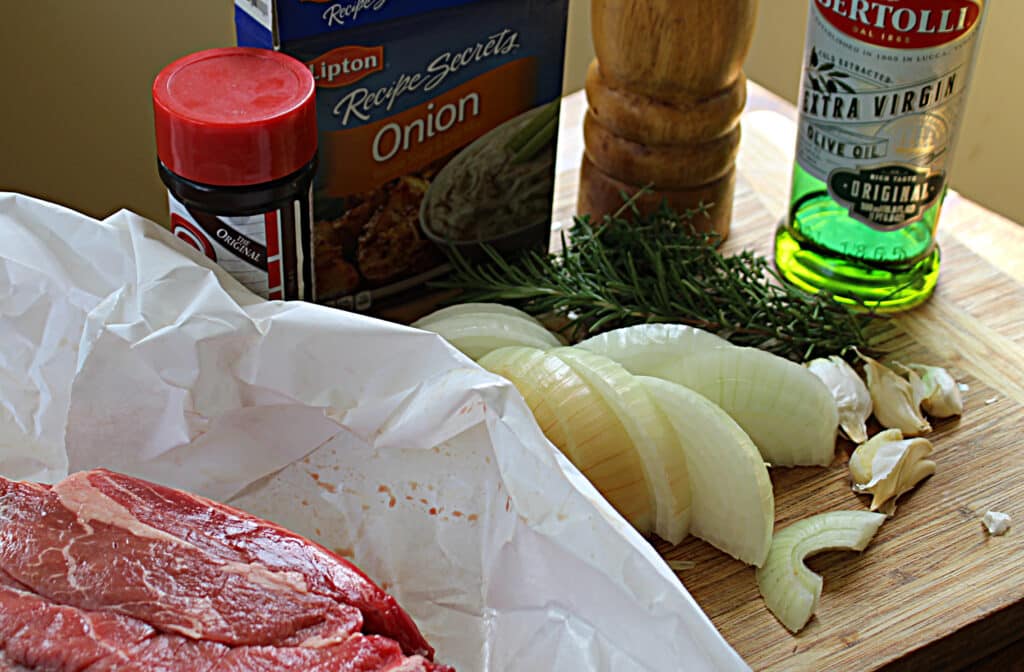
x: 387, y: 491
x: 326, y: 486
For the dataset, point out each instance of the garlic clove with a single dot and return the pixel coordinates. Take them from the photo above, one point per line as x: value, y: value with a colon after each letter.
x: 861, y: 459
x: 888, y: 466
x: 893, y: 400
x: 996, y: 522
x: 907, y: 482
x: 920, y: 390
x: 850, y: 393
x: 942, y: 393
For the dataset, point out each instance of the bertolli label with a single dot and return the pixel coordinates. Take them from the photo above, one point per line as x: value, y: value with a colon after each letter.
x: 902, y: 24
x: 882, y: 100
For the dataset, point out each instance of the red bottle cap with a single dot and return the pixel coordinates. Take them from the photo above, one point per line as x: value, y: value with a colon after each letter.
x: 235, y: 116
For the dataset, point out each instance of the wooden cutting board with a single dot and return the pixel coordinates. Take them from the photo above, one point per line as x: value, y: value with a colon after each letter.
x: 933, y: 591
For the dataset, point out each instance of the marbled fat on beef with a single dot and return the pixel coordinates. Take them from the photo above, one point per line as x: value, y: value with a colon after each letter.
x: 240, y: 539
x: 73, y: 545
x: 104, y: 572
x: 40, y: 635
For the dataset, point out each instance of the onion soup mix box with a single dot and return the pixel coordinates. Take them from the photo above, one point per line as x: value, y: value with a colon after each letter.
x: 437, y: 128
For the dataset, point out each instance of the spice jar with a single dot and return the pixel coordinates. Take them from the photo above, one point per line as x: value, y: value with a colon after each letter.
x: 236, y: 143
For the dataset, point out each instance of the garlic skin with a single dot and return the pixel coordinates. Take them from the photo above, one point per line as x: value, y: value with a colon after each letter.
x: 919, y: 391
x: 850, y: 393
x: 889, y: 466
x: 942, y: 397
x: 894, y: 400
x: 996, y: 523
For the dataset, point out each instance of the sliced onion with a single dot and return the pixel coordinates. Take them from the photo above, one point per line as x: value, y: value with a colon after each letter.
x: 732, y: 504
x: 475, y: 309
x: 650, y: 434
x: 787, y: 411
x: 645, y: 349
x: 476, y: 334
x: 791, y: 590
x: 578, y: 421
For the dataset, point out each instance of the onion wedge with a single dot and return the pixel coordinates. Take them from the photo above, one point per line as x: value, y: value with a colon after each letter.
x: 461, y: 309
x: 791, y: 590
x: 787, y: 411
x: 645, y: 349
x: 733, y: 508
x: 650, y: 434
x: 578, y: 421
x: 476, y: 331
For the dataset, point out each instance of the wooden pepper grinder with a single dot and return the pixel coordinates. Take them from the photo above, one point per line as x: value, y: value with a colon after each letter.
x: 665, y: 93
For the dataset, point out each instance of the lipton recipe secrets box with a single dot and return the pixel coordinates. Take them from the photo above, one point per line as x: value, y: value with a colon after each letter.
x: 437, y: 127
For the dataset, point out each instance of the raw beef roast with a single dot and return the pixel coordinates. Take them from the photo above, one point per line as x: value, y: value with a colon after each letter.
x: 105, y: 572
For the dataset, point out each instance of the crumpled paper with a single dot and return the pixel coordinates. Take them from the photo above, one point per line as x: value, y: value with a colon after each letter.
x: 122, y: 348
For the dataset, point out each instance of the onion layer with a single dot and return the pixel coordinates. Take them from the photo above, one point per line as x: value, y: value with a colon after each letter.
x: 733, y: 506
x: 792, y: 591
x: 650, y: 434
x: 477, y: 329
x: 787, y: 411
x: 578, y: 421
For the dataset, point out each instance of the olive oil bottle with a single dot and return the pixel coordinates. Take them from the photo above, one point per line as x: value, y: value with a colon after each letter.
x: 881, y: 103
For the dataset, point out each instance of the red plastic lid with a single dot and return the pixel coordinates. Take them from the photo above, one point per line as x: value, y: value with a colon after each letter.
x: 235, y: 116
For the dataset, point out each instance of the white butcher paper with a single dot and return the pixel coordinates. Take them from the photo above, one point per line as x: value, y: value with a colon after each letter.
x: 121, y: 347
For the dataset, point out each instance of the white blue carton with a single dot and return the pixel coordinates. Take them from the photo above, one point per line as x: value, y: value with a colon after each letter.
x: 437, y: 130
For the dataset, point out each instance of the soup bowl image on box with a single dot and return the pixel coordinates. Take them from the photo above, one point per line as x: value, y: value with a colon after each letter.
x: 437, y: 129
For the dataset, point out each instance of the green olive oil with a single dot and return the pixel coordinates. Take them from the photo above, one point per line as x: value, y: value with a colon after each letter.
x: 881, y: 103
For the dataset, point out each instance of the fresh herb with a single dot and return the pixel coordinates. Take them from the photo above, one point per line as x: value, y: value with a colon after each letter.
x: 635, y: 268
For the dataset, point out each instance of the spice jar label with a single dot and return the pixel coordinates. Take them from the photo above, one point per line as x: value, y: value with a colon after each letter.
x: 257, y: 250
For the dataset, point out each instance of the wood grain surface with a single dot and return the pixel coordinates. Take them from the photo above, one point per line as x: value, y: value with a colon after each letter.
x: 933, y: 591
x: 668, y: 49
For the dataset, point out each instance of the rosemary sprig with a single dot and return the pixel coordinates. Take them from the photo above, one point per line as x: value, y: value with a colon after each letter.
x: 634, y: 269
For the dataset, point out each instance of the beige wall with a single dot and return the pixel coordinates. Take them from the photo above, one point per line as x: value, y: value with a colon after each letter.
x: 76, y: 124
x: 578, y: 48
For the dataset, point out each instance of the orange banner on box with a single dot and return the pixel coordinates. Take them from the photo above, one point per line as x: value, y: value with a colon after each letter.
x: 363, y: 158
